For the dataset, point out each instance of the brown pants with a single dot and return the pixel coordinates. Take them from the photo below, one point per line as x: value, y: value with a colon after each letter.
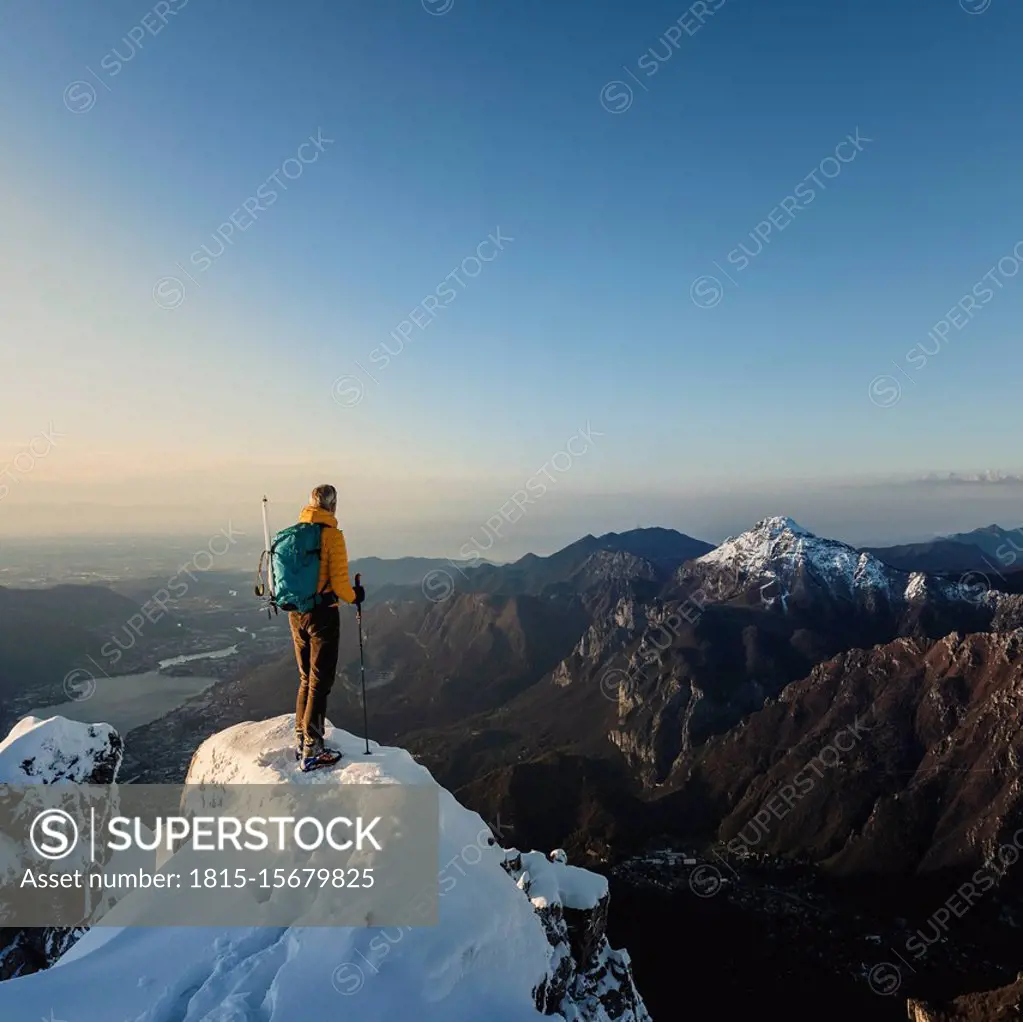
x: 317, y: 638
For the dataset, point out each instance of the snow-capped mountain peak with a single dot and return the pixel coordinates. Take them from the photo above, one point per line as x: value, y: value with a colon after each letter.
x: 778, y: 559
x: 778, y: 524
x: 767, y: 538
x: 776, y: 548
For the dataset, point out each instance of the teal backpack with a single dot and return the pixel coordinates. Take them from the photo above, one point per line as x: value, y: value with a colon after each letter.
x: 295, y: 562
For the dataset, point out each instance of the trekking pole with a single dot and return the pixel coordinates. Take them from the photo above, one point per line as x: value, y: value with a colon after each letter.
x: 362, y: 665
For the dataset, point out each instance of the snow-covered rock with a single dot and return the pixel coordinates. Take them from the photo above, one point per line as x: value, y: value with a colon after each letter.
x: 58, y: 750
x: 503, y: 951
x: 51, y: 751
x: 572, y: 905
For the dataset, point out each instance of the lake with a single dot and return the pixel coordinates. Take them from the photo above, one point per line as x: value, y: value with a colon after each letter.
x: 128, y: 701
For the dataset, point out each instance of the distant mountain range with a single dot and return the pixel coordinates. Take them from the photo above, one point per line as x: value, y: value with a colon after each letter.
x: 998, y: 543
x: 400, y: 571
x: 647, y: 686
x: 993, y: 551
x: 939, y: 556
x: 600, y: 650
x: 572, y: 585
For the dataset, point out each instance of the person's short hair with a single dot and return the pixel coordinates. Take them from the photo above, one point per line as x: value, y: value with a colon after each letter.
x: 324, y: 496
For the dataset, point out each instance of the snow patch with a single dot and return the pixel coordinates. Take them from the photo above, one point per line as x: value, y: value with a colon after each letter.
x: 559, y: 884
x: 916, y: 589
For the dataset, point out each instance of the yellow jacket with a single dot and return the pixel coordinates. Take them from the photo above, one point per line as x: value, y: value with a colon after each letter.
x: 333, y: 554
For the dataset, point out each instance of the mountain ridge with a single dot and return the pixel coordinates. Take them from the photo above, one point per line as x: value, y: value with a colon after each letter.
x: 519, y: 935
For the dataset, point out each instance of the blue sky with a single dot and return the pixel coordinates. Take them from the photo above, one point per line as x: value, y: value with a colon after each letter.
x: 444, y: 128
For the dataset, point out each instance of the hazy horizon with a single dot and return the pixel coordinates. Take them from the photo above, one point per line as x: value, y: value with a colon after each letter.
x: 441, y: 523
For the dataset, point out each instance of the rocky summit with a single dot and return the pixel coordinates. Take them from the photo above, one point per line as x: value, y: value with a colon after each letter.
x: 519, y: 936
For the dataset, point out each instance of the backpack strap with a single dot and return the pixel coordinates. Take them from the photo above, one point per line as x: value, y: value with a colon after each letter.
x: 326, y: 585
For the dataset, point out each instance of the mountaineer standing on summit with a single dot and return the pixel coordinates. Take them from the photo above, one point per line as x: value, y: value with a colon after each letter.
x: 317, y: 632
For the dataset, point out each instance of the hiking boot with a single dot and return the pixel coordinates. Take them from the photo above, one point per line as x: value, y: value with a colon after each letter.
x: 315, y: 749
x: 323, y: 758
